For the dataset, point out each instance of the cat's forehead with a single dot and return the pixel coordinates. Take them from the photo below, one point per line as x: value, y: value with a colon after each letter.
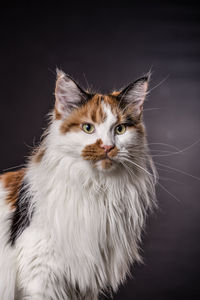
x: 102, y: 107
x: 99, y: 109
x: 111, y: 117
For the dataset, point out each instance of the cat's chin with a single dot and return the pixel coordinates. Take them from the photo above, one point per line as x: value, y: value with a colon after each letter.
x: 105, y: 165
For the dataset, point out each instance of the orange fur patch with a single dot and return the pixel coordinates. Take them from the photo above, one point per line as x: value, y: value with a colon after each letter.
x: 57, y: 114
x: 95, y: 153
x: 112, y: 153
x: 96, y: 111
x: 106, y: 163
x: 92, y: 112
x: 12, y: 182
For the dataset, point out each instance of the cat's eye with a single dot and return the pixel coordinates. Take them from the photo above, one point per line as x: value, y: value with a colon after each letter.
x: 120, y: 129
x: 88, y: 128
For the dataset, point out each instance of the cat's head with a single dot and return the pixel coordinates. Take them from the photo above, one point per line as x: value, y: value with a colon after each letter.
x: 104, y: 130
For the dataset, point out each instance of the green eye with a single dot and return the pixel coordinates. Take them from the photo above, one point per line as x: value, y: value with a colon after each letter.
x: 88, y: 128
x: 120, y: 129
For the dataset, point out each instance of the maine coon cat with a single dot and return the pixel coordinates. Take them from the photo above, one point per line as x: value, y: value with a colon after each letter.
x: 71, y: 220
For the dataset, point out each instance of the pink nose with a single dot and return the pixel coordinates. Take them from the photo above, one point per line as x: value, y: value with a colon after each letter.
x: 107, y: 148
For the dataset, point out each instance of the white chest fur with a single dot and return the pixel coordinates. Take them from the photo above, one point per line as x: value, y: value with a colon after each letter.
x: 85, y: 229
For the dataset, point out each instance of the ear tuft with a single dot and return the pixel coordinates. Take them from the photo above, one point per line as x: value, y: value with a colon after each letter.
x: 134, y: 94
x: 68, y: 94
x: 60, y: 73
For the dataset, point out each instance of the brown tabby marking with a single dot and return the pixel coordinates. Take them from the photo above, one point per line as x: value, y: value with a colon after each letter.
x: 90, y: 111
x: 38, y: 155
x: 96, y: 111
x: 113, y: 152
x: 12, y: 182
x: 125, y: 115
x: 140, y: 129
x: 106, y: 163
x: 94, y: 152
x: 93, y: 112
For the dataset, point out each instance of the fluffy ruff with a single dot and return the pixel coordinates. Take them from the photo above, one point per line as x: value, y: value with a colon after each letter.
x: 76, y: 225
x: 84, y: 232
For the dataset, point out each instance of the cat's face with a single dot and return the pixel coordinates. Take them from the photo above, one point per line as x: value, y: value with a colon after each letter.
x: 101, y: 129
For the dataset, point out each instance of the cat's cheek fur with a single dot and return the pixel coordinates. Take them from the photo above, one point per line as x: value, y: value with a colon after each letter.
x: 74, y: 142
x: 130, y: 137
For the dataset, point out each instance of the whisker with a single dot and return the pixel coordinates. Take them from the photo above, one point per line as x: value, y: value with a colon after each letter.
x: 180, y: 151
x: 161, y: 82
x: 158, y: 168
x: 153, y: 108
x: 179, y: 171
x: 153, y: 176
x: 164, y: 144
x: 132, y: 151
x: 132, y: 173
x: 162, y: 186
x: 169, y: 153
x: 169, y: 179
x: 13, y: 168
x: 140, y: 167
x: 88, y: 87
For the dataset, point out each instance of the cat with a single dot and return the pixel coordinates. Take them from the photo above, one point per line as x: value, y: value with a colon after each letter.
x: 71, y: 219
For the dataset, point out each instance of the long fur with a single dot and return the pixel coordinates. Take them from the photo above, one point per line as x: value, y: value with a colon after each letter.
x: 85, y: 225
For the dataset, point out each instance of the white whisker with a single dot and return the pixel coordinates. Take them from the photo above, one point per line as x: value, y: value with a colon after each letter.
x: 179, y: 171
x: 13, y: 168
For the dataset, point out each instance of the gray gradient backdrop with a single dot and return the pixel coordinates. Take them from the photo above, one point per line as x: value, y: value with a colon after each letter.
x: 111, y: 45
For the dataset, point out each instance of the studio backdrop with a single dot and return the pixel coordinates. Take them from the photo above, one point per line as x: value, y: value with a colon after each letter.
x: 105, y: 46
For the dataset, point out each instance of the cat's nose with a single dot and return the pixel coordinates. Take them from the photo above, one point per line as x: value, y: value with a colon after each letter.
x: 107, y: 148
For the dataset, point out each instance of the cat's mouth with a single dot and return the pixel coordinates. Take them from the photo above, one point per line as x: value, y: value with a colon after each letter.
x: 104, y: 163
x: 106, y: 156
x: 97, y: 155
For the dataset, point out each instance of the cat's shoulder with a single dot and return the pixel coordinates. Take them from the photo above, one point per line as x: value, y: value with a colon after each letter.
x: 10, y: 184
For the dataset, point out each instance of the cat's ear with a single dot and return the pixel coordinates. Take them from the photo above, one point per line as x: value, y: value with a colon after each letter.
x: 68, y: 94
x: 134, y: 95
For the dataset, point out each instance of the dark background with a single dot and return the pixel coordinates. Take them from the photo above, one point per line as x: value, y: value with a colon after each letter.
x: 111, y: 45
